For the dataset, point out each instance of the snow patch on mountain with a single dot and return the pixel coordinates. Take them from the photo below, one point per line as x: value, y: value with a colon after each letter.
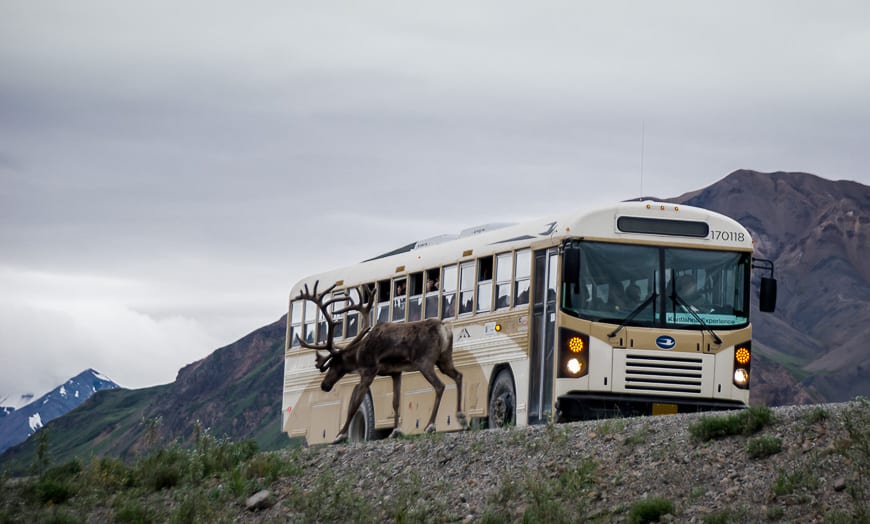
x: 34, y: 421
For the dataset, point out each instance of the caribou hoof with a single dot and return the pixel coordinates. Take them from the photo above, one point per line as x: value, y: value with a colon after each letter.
x: 397, y: 433
x: 430, y: 428
x: 340, y: 439
x: 463, y: 421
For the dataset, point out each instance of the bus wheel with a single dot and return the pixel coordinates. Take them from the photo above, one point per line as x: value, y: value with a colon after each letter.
x: 502, y: 405
x: 362, y: 426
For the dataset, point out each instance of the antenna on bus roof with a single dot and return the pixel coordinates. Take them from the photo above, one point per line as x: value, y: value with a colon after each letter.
x: 642, y: 144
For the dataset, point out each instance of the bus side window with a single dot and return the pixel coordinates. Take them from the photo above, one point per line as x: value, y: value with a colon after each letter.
x: 415, y: 300
x: 466, y: 287
x: 321, y: 327
x: 400, y: 296
x: 433, y: 282
x: 338, y: 320
x: 353, y: 316
x: 503, y: 270
x: 448, y: 285
x: 382, y: 313
x: 484, y: 285
x: 295, y: 323
x: 308, y: 320
x: 521, y: 282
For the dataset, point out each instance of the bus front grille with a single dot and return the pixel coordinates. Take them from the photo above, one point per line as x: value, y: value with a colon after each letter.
x: 660, y: 373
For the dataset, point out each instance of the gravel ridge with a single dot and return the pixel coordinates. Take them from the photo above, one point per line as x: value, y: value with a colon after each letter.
x: 506, y: 474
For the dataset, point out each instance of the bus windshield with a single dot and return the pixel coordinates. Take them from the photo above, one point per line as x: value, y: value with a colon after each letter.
x: 656, y: 286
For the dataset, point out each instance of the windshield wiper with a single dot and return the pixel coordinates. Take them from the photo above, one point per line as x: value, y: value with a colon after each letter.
x: 688, y: 307
x: 635, y: 312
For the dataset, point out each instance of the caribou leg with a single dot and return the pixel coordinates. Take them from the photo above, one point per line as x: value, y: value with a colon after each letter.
x: 397, y: 390
x: 446, y: 367
x: 429, y: 374
x: 356, y: 398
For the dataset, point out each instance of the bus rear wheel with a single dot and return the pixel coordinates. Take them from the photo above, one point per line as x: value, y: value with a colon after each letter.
x: 502, y: 401
x: 362, y: 425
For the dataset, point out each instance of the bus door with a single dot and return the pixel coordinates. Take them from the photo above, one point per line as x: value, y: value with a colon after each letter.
x: 543, y: 335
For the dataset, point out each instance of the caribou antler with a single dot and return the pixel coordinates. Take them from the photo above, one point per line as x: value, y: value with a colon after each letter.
x: 323, y: 305
x: 364, y: 308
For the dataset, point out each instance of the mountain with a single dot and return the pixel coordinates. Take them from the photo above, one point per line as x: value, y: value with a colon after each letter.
x: 19, y: 424
x: 816, y: 231
x: 235, y: 392
x: 810, y: 350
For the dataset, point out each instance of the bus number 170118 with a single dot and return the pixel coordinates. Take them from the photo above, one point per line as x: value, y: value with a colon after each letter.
x: 733, y: 236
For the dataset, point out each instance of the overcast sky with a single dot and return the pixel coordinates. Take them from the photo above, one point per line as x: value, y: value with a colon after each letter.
x: 168, y: 170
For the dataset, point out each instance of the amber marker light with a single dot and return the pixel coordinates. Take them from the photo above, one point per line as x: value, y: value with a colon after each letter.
x: 575, y: 344
x: 742, y: 356
x: 497, y: 328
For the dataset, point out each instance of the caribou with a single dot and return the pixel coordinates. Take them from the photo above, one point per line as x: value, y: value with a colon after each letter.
x: 383, y: 350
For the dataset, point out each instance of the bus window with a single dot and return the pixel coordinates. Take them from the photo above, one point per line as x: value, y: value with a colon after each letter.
x: 448, y: 299
x: 400, y: 296
x: 308, y: 322
x: 338, y: 319
x: 466, y: 288
x: 295, y: 323
x: 433, y: 280
x: 353, y: 316
x: 321, y: 327
x: 503, y: 269
x: 484, y: 284
x: 415, y: 300
x: 382, y: 312
x: 521, y: 282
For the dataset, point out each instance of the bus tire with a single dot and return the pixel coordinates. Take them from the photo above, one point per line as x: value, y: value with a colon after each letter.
x: 502, y: 401
x: 362, y: 426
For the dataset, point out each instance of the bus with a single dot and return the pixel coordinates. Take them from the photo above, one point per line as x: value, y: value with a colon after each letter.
x: 640, y: 308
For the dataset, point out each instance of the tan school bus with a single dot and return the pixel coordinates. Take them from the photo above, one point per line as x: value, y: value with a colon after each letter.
x: 641, y: 308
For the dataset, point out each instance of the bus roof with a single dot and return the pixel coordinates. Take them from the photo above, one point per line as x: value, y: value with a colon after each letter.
x: 631, y: 222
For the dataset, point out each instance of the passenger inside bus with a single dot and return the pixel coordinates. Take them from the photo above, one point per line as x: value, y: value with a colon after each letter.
x: 632, y: 294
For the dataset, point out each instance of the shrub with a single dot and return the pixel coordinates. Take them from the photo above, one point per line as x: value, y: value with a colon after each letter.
x: 108, y: 474
x: 53, y: 491
x: 762, y: 447
x: 65, y: 471
x: 787, y: 483
x: 650, y: 510
x: 745, y: 422
x: 815, y: 415
x: 132, y: 512
x: 271, y: 466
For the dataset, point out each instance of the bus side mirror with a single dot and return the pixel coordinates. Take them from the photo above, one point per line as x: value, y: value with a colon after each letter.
x: 767, y: 295
x: 572, y: 263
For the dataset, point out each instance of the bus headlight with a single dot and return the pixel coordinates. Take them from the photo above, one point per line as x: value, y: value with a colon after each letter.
x: 574, y: 366
x: 741, y: 377
x: 573, y: 354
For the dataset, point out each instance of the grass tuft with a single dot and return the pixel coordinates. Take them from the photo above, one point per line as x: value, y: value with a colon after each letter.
x: 745, y: 422
x: 650, y: 510
x: 764, y: 446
